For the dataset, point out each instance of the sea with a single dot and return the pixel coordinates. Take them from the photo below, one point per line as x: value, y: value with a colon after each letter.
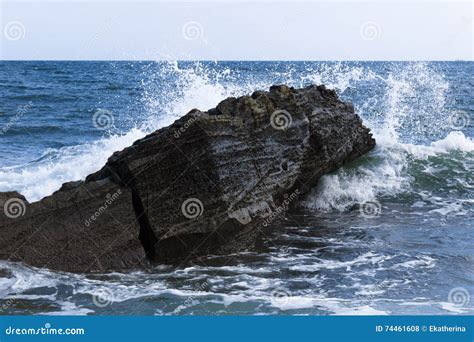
x: 388, y: 234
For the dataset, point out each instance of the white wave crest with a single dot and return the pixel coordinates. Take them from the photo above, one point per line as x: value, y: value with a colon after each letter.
x: 41, y: 179
x: 412, y: 105
x: 411, y: 112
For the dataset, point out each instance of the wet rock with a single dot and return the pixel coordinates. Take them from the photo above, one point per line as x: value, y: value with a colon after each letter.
x: 209, y: 183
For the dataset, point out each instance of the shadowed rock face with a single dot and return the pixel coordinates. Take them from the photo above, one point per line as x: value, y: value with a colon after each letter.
x: 209, y: 183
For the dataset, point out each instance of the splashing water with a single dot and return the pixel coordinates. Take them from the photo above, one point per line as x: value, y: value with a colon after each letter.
x: 325, y: 261
x: 406, y: 107
x: 168, y: 91
x: 407, y: 115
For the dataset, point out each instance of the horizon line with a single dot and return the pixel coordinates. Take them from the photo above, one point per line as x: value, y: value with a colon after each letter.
x: 236, y: 60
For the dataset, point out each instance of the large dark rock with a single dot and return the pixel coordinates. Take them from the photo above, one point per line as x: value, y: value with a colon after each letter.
x: 209, y: 183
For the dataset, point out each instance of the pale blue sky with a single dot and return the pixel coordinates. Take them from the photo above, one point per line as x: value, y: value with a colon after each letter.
x: 237, y: 30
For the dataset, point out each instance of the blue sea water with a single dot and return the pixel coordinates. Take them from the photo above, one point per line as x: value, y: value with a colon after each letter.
x: 390, y: 233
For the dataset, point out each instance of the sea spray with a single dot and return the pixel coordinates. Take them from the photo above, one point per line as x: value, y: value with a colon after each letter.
x: 408, y: 118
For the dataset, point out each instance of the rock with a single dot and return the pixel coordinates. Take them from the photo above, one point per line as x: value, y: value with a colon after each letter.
x: 88, y: 227
x: 209, y: 183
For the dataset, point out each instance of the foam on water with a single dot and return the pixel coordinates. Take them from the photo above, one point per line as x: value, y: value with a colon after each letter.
x: 227, y: 288
x: 409, y: 116
x: 412, y: 105
x: 42, y: 178
x: 411, y: 113
x: 455, y: 141
x: 169, y: 92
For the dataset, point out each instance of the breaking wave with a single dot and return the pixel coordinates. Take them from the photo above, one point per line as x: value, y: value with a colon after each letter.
x: 417, y: 141
x: 326, y: 264
x: 406, y: 107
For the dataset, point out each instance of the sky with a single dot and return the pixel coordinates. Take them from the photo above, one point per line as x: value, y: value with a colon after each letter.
x: 236, y: 30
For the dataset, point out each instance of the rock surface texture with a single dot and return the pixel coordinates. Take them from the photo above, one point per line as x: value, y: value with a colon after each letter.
x: 209, y: 183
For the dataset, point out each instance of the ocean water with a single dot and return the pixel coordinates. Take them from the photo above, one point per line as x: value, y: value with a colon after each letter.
x: 391, y: 233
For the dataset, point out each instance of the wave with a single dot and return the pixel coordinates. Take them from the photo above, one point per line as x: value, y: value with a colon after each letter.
x: 391, y: 169
x: 41, y: 178
x: 407, y: 109
x: 246, y: 288
x: 411, y: 112
x: 420, y: 159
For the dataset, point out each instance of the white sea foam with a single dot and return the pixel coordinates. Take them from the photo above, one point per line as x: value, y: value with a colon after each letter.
x: 454, y: 141
x: 414, y: 108
x: 413, y: 104
x: 40, y: 179
x: 68, y: 309
x: 200, y: 88
x: 388, y: 177
x: 195, y: 87
x: 329, y: 264
x: 453, y: 308
x: 222, y: 292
